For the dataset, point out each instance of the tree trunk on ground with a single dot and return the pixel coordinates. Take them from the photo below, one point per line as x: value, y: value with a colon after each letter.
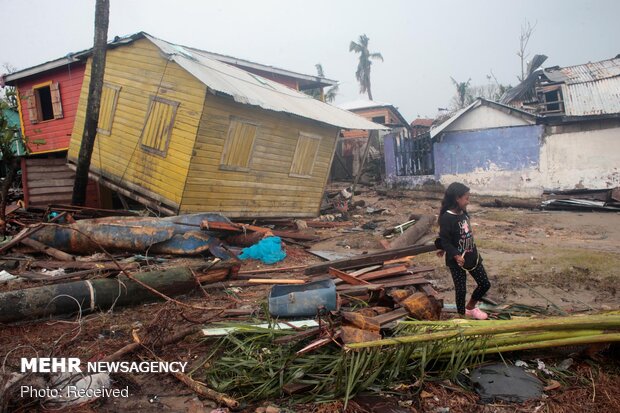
x: 4, y: 194
x: 414, y: 233
x: 102, y: 12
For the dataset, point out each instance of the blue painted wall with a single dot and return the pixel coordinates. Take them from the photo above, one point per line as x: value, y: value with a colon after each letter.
x: 507, y: 149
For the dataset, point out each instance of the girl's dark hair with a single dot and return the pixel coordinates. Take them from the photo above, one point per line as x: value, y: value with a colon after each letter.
x: 454, y: 191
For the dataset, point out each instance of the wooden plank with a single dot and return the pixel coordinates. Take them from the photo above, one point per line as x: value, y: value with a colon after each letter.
x: 362, y: 271
x: 272, y: 270
x: 369, y: 259
x: 274, y: 281
x: 50, y: 182
x: 46, y: 249
x: 349, y: 279
x: 387, y: 318
x: 384, y: 273
x: 214, y: 226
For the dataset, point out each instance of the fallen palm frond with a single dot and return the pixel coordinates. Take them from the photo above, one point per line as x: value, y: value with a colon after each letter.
x: 249, y: 366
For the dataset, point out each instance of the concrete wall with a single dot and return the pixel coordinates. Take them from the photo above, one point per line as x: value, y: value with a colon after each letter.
x: 499, y: 161
x: 572, y: 159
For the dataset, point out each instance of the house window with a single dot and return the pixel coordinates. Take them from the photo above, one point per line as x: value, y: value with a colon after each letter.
x: 379, y: 119
x: 109, y: 99
x: 305, y: 155
x: 239, y: 145
x: 43, y: 102
x: 158, y: 125
x: 414, y: 156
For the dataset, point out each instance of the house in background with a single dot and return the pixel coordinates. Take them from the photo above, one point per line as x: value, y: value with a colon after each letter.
x: 48, y: 97
x: 352, y: 144
x: 580, y: 108
x: 182, y: 132
x: 420, y: 126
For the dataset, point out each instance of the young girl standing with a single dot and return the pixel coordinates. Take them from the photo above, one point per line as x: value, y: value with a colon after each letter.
x: 457, y: 240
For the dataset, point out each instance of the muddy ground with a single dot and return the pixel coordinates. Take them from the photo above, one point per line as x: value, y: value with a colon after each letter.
x: 559, y: 260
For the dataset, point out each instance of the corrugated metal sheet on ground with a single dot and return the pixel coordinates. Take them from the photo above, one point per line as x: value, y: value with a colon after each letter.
x: 247, y: 88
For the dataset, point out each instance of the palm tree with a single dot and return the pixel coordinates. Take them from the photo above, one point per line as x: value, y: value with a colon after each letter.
x: 362, y: 74
x: 331, y: 93
x: 463, y: 93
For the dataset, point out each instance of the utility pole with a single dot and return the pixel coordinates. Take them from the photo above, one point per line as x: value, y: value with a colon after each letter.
x: 102, y: 16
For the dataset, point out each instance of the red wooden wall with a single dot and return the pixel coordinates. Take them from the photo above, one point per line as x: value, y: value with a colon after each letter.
x: 56, y: 133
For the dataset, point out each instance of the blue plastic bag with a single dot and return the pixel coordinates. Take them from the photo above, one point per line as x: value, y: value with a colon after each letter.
x: 268, y: 250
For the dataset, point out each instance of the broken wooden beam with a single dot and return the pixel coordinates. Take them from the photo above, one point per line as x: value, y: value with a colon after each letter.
x: 274, y: 281
x: 46, y: 249
x: 384, y: 273
x: 369, y: 259
x: 348, y: 278
x: 234, y: 227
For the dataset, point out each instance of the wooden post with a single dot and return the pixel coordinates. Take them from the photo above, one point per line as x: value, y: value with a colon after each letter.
x: 102, y: 13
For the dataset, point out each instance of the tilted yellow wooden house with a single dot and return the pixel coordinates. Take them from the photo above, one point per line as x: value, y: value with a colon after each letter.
x: 182, y: 132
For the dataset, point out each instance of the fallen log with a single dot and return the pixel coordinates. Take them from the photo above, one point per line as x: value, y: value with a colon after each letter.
x: 82, y: 265
x: 365, y: 260
x: 90, y: 295
x: 414, y: 233
x: 498, y: 203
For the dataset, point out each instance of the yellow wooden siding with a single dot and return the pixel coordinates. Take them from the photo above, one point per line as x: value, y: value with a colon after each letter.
x: 142, y: 72
x: 267, y: 188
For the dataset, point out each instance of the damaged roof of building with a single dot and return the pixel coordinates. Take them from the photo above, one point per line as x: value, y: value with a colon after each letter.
x: 250, y: 89
x: 589, y: 89
x: 224, y: 78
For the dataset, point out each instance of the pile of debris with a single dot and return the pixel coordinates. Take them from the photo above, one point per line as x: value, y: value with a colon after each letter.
x: 583, y: 200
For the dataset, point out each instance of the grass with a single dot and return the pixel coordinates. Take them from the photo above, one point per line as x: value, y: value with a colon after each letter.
x: 504, y: 246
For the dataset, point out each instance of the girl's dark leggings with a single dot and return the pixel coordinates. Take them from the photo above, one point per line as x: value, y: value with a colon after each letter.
x: 459, y: 276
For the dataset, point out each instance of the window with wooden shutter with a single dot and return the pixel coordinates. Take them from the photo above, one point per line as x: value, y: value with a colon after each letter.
x: 305, y: 155
x: 237, y: 154
x: 55, y: 99
x: 107, y: 108
x: 31, y: 105
x: 158, y: 125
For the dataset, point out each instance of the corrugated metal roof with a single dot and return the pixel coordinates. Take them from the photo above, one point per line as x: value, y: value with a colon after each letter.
x: 362, y: 104
x: 589, y: 89
x: 250, y: 89
x: 588, y: 72
x: 592, y: 98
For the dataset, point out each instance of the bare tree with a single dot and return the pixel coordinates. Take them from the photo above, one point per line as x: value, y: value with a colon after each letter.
x: 526, y: 32
x: 102, y: 14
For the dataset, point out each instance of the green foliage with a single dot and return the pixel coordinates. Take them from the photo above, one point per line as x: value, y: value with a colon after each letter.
x: 362, y: 74
x: 330, y: 94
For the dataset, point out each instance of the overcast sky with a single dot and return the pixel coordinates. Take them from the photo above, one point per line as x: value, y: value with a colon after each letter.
x: 423, y: 42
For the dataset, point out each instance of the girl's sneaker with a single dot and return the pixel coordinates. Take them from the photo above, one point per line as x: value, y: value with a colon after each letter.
x: 476, y: 313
